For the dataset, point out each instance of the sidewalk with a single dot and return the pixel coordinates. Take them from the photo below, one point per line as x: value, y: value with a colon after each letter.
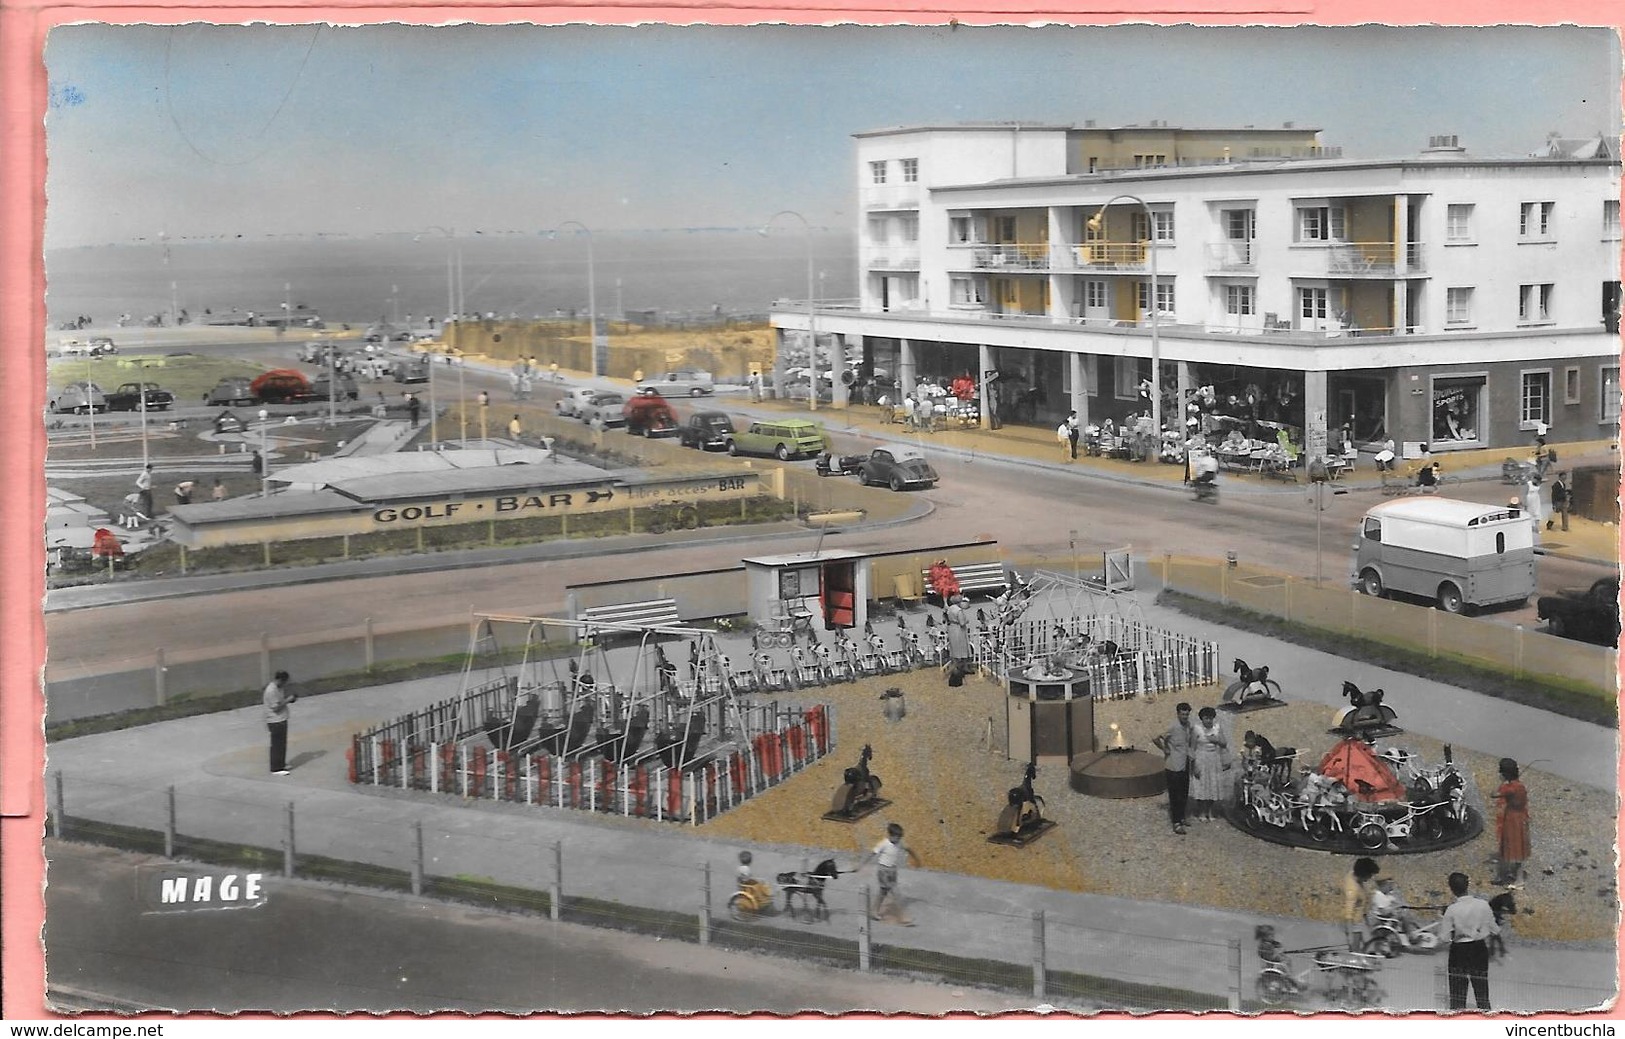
x: 216, y: 764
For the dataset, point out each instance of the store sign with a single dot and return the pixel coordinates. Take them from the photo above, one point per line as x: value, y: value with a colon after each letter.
x: 173, y: 889
x: 573, y: 501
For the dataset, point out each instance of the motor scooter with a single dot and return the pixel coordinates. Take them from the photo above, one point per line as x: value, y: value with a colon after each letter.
x: 1389, y: 936
x: 1205, y: 487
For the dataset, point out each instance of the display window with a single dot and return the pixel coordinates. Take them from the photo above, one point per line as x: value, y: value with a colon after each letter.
x: 1458, y: 409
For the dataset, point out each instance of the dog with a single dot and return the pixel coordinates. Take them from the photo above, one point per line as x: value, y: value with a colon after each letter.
x: 1505, y: 907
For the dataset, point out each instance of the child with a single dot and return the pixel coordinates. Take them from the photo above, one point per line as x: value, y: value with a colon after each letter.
x: 759, y: 892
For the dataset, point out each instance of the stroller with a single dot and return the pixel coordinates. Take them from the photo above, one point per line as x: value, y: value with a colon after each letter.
x: 804, y: 892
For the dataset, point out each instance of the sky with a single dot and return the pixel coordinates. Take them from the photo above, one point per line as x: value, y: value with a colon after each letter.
x: 216, y: 131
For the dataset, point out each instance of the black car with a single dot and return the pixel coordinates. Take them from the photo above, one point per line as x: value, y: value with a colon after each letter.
x: 897, y: 468
x: 1591, y: 615
x: 706, y: 430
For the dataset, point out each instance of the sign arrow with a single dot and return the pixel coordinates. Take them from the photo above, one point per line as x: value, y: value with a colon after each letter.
x: 594, y: 496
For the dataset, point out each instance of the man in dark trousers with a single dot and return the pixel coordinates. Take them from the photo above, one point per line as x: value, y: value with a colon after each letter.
x: 1468, y: 925
x: 277, y: 699
x: 1560, y: 499
x: 1175, y: 745
x: 412, y: 408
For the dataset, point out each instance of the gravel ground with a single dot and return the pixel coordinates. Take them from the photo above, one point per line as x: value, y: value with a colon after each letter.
x: 945, y: 771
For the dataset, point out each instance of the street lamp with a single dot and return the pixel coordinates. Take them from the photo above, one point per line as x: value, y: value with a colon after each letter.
x: 265, y: 457
x: 812, y: 309
x: 592, y: 297
x: 1095, y: 224
x: 453, y: 301
x: 462, y: 398
x: 485, y: 407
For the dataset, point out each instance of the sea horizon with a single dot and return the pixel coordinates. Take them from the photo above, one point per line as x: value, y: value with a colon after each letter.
x: 393, y: 276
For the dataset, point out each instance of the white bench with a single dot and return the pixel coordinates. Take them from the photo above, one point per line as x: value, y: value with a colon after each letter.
x: 653, y: 613
x: 973, y: 578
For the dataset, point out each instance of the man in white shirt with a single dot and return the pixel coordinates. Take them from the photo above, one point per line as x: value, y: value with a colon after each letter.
x: 889, y: 855
x: 1468, y: 925
x: 277, y: 699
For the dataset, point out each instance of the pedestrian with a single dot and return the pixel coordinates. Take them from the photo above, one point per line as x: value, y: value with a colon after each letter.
x: 143, y: 487
x: 525, y: 386
x: 1427, y: 478
x: 1533, y: 504
x: 1511, y: 824
x: 277, y: 698
x: 412, y: 407
x: 183, y: 492
x: 959, y: 654
x: 514, y: 427
x: 889, y: 856
x: 1072, y: 434
x: 1175, y: 745
x: 1560, y: 499
x: 513, y: 380
x: 1468, y: 925
x: 219, y: 491
x: 1209, y: 746
x: 756, y: 386
x: 1063, y: 436
x: 1357, y: 888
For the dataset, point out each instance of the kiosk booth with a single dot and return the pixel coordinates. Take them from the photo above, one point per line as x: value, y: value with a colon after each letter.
x: 823, y: 590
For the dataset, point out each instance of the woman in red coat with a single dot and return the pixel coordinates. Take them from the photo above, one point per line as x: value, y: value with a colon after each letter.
x: 1512, y: 827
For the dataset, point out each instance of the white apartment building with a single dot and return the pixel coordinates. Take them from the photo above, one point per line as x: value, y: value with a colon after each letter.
x: 1441, y: 299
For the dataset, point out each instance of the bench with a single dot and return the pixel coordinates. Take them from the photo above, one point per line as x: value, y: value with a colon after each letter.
x: 974, y: 579
x: 653, y: 613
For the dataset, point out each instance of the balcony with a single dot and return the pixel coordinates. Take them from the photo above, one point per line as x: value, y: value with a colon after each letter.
x: 1128, y: 257
x: 1358, y: 259
x: 879, y: 198
x: 1007, y: 256
x: 893, y: 260
x: 1230, y: 256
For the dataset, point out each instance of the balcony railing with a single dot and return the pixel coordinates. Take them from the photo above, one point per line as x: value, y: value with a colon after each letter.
x: 1099, y: 256
x: 894, y: 261
x: 1360, y: 259
x: 902, y: 196
x: 1230, y: 256
x: 1019, y: 256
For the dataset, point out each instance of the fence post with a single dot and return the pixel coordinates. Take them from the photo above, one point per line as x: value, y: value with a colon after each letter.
x: 1517, y: 652
x: 1433, y: 633
x: 169, y: 825
x: 183, y: 560
x: 555, y: 890
x: 864, y: 926
x: 417, y: 857
x: 1234, y: 996
x: 265, y: 546
x: 346, y: 546
x: 1040, y: 980
x: 705, y: 903
x: 287, y: 843
x: 58, y: 809
x: 265, y: 659
x: 158, y: 670
x: 369, y: 649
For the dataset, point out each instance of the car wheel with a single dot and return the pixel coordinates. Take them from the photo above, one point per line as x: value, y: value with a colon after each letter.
x: 1273, y: 989
x: 733, y: 448
x: 782, y: 453
x: 696, y: 392
x: 896, y: 483
x: 1450, y: 598
x: 1556, y: 627
x: 1371, y: 584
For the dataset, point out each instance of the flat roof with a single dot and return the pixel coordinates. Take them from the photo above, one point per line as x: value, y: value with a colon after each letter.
x: 806, y: 558
x: 1017, y: 124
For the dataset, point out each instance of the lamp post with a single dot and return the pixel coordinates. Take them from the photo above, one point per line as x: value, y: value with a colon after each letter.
x: 141, y: 375
x: 453, y: 301
x: 332, y: 384
x: 462, y: 399
x: 812, y: 308
x: 265, y: 457
x: 485, y: 407
x: 1095, y: 224
x: 592, y: 298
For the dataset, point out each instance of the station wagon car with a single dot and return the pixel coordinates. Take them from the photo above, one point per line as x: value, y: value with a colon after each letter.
x: 691, y: 382
x: 783, y: 439
x: 897, y: 468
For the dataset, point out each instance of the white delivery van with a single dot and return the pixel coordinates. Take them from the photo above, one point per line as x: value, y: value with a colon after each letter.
x: 1457, y: 553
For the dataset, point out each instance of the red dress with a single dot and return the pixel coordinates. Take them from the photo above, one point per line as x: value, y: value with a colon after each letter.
x: 1513, y: 825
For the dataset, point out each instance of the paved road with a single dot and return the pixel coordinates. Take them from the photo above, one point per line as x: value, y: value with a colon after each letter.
x: 319, y: 947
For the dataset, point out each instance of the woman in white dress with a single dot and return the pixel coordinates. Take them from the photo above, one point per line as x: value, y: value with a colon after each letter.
x: 1209, y: 742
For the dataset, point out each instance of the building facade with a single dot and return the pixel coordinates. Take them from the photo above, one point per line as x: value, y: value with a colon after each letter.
x: 1443, y: 299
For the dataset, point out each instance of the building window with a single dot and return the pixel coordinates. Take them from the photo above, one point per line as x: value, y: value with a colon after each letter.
x: 968, y: 292
x: 1610, y: 306
x: 1321, y: 224
x: 1165, y: 295
x: 1312, y: 304
x: 1004, y: 229
x: 1130, y: 372
x: 1238, y: 225
x: 1535, y: 400
x: 1458, y: 306
x: 1535, y: 304
x: 1535, y: 220
x: 877, y: 171
x: 1608, y: 404
x: 1150, y: 160
x: 1094, y: 295
x: 1610, y: 218
x: 911, y: 171
x: 1162, y: 221
x: 877, y: 230
x: 1457, y: 408
x: 911, y: 228
x: 962, y: 230
x: 1238, y: 300
x: 1571, y: 386
x: 1458, y: 223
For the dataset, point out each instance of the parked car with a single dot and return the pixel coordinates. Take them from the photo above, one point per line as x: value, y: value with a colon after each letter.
x: 409, y: 370
x: 234, y: 390
x: 315, y: 351
x: 649, y: 415
x: 706, y: 430
x: 100, y: 345
x: 79, y: 398
x: 128, y: 397
x: 603, y: 410
x: 897, y: 468
x: 346, y: 384
x: 71, y: 346
x: 570, y: 404
x: 690, y: 382
x: 1591, y: 615
x: 281, y: 386
x: 782, y: 438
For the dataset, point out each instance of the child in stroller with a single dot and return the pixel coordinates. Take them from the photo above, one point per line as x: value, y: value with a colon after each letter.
x: 804, y: 892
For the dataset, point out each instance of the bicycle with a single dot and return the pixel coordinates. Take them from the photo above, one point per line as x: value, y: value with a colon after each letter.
x: 672, y: 515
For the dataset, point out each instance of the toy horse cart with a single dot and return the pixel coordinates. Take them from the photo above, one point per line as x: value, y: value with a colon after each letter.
x: 804, y: 892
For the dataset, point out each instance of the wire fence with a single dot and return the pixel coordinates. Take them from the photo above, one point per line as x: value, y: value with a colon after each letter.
x: 684, y: 890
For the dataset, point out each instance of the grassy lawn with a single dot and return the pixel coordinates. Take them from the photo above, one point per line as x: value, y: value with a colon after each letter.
x: 189, y: 377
